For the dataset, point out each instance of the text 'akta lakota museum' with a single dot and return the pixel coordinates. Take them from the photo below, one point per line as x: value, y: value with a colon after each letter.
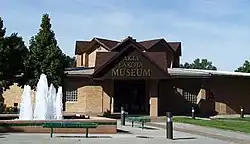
x: 144, y: 78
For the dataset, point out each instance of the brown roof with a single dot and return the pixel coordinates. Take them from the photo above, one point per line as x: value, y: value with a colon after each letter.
x: 125, y: 42
x: 102, y: 58
x: 159, y: 58
x: 176, y: 46
x: 149, y: 43
x: 80, y: 45
x: 108, y: 43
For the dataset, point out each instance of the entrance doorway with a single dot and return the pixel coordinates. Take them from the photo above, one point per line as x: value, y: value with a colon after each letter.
x: 131, y: 95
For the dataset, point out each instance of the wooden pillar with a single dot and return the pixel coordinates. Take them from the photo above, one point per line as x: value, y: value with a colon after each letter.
x: 147, y: 96
x: 112, y: 97
x: 153, y: 98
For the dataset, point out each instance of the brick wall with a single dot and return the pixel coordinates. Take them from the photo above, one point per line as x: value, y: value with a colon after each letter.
x: 13, y: 95
x: 107, y: 95
x: 230, y: 93
x: 93, y: 98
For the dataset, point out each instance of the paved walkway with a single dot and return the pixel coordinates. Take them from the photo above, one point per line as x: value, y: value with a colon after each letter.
x: 126, y: 134
x: 229, y: 116
x: 224, y: 135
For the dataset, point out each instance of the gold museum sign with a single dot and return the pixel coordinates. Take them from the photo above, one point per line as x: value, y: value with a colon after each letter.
x: 131, y: 66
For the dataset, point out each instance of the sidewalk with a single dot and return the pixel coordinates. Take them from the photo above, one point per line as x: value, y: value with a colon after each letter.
x: 224, y: 135
x: 159, y: 133
x: 126, y: 134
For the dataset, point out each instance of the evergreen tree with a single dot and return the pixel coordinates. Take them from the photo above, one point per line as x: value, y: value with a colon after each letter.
x: 199, y: 64
x: 45, y: 56
x: 2, y: 34
x: 244, y: 68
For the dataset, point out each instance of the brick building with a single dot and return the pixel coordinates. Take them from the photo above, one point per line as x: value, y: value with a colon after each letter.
x: 144, y: 78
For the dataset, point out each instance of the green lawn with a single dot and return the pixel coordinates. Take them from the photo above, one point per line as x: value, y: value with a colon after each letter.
x: 235, y: 124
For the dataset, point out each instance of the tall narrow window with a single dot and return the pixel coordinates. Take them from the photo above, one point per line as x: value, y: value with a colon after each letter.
x: 71, y: 95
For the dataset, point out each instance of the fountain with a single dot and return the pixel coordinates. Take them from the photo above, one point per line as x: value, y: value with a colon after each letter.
x: 48, y: 103
x: 51, y: 102
x: 26, y: 108
x: 48, y: 106
x: 40, y: 110
x: 59, y: 104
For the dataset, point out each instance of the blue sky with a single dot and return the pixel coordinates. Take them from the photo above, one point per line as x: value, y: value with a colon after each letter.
x: 218, y: 30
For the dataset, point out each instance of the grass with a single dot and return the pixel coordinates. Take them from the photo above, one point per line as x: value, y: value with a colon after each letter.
x: 234, y: 124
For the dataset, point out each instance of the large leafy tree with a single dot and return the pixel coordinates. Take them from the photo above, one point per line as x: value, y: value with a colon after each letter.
x: 68, y: 61
x: 45, y: 56
x: 199, y: 64
x: 244, y: 68
x: 12, y: 54
x: 2, y: 29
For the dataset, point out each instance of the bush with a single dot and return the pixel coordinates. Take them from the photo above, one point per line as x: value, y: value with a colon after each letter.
x: 107, y: 113
x: 11, y: 110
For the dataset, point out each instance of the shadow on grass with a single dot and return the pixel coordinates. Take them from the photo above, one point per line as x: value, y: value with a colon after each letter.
x: 185, y: 138
x: 84, y: 136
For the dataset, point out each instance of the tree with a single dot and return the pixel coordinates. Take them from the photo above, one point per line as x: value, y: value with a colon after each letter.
x: 68, y: 61
x: 244, y: 68
x: 2, y: 29
x: 12, y: 54
x: 45, y: 56
x: 199, y: 64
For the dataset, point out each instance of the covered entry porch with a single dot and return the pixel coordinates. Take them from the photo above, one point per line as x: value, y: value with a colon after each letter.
x: 134, y: 78
x: 138, y: 97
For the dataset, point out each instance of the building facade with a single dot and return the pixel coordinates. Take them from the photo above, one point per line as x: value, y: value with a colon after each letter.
x: 144, y: 78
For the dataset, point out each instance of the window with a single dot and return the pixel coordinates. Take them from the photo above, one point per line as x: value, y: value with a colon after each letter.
x: 190, y: 97
x: 71, y: 95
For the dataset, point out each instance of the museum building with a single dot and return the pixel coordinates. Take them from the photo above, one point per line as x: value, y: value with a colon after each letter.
x: 144, y: 77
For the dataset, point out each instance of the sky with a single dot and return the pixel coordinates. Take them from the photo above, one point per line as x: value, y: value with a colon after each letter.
x: 218, y: 30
